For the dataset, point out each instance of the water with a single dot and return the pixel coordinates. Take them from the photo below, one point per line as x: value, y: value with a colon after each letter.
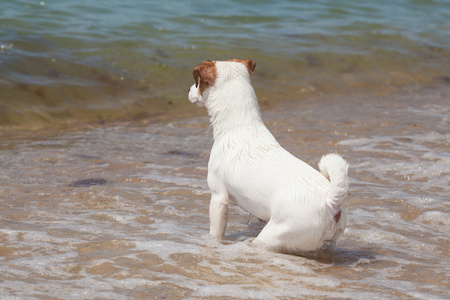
x: 66, y: 62
x: 122, y: 211
x: 103, y: 160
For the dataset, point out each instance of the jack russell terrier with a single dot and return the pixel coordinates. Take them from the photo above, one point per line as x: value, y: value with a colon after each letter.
x: 303, y: 207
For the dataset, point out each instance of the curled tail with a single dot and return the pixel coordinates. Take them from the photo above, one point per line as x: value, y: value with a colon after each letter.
x: 335, y: 168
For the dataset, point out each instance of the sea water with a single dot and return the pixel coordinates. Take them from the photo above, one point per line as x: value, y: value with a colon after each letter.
x: 103, y: 160
x: 94, y: 61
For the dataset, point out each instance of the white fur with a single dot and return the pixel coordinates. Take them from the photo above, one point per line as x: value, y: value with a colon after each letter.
x: 248, y: 166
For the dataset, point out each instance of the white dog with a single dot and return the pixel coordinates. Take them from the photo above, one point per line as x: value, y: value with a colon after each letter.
x: 304, y: 208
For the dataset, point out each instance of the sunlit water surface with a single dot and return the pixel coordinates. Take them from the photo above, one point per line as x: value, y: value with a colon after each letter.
x: 121, y: 211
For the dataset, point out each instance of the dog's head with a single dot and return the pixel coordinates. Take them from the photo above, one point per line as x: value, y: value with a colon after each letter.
x: 207, y: 73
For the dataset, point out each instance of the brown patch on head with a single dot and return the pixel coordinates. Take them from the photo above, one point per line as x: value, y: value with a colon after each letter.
x: 249, y: 64
x: 205, y: 75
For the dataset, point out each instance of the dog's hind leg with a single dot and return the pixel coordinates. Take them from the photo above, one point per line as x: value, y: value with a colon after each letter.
x: 218, y: 216
x: 269, y: 237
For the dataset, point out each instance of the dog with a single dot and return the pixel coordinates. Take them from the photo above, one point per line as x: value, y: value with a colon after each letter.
x: 303, y: 207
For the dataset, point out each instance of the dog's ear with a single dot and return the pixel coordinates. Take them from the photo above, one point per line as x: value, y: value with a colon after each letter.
x: 205, y: 74
x: 250, y: 64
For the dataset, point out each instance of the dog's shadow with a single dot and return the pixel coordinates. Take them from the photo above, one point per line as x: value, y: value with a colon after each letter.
x: 337, y: 256
x: 328, y: 255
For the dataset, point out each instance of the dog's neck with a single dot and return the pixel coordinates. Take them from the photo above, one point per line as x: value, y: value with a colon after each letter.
x: 233, y: 108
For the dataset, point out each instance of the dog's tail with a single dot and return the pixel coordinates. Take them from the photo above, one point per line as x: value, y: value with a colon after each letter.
x: 335, y: 168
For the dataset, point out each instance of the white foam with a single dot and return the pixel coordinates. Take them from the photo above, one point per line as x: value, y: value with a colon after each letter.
x: 165, y: 248
x: 438, y: 220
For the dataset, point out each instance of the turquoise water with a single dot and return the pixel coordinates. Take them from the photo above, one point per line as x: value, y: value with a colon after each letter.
x: 65, y: 61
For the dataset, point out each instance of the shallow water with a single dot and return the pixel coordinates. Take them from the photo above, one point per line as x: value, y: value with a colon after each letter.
x: 122, y: 211
x: 64, y: 62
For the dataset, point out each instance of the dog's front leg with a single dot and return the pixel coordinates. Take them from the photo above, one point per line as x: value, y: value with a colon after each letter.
x: 218, y: 216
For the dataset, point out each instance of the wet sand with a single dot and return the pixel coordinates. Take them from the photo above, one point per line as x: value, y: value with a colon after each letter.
x: 121, y: 211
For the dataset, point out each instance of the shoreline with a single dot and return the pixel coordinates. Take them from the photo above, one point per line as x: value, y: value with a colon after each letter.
x: 173, y: 112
